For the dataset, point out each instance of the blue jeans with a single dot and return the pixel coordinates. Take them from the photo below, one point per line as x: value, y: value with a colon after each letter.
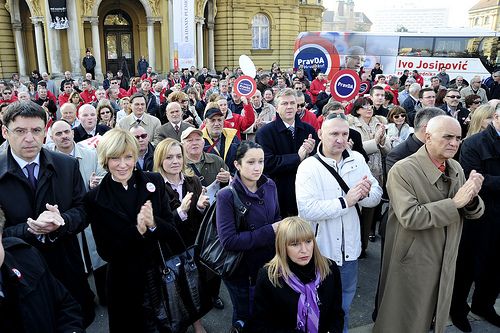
x: 241, y: 293
x: 349, y: 279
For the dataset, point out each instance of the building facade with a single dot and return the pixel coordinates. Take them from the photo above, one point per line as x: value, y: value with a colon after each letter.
x: 344, y: 18
x: 118, y: 32
x: 485, y: 14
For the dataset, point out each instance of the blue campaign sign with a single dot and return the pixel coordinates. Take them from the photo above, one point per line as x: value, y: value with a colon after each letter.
x: 345, y: 85
x: 245, y: 86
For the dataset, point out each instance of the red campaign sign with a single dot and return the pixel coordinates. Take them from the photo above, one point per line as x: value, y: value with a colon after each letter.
x: 245, y: 86
x: 345, y: 85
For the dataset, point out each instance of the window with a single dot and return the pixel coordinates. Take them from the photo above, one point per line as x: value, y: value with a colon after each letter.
x: 486, y: 20
x: 415, y: 46
x: 260, y: 32
x: 476, y: 21
x: 456, y: 47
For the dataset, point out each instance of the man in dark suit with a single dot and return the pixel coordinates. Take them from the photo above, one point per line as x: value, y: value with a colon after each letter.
x: 88, y: 124
x: 41, y: 193
x: 286, y: 141
x: 452, y: 108
x: 146, y: 149
x: 174, y: 127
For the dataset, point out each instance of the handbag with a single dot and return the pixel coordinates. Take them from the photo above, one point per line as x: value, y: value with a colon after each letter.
x: 212, y: 254
x: 177, y: 296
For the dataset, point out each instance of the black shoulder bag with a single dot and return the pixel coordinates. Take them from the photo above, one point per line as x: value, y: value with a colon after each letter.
x: 339, y: 179
x: 211, y: 251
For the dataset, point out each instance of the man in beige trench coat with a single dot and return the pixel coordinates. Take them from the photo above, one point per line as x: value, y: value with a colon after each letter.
x: 423, y: 232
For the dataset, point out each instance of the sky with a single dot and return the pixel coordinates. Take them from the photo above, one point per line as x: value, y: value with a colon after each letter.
x: 457, y: 16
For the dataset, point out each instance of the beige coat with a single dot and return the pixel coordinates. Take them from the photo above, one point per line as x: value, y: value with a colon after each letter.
x: 373, y: 150
x: 422, y: 237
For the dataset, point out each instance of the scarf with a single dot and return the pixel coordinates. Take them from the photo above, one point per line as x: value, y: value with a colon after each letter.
x: 307, y: 308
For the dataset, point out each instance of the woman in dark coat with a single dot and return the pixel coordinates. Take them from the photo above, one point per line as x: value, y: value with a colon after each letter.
x: 187, y: 198
x: 129, y: 214
x: 299, y: 290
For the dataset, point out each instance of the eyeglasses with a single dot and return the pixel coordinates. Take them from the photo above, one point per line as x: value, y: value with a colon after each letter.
x: 402, y: 115
x: 476, y: 102
x: 336, y: 115
x: 142, y: 136
x: 453, y: 96
x: 184, y: 101
x: 301, y: 105
x: 21, y: 132
x: 105, y: 112
x: 367, y: 106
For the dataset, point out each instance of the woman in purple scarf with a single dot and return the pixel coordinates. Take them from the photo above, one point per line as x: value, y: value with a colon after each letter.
x: 299, y: 290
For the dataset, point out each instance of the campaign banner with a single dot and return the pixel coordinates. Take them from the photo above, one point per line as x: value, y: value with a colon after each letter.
x: 184, y: 33
x: 245, y: 86
x: 58, y: 14
x: 430, y: 66
x: 345, y: 85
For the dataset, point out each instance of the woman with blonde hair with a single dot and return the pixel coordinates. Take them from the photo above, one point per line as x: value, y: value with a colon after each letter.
x: 186, y: 195
x: 299, y: 290
x: 129, y: 216
x: 480, y: 119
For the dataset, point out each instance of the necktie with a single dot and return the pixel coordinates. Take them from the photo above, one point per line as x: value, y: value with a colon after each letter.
x: 442, y: 167
x: 31, y: 174
x: 292, y: 130
x: 138, y: 121
x: 176, y: 129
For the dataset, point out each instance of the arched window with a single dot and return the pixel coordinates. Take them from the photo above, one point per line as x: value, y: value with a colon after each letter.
x: 260, y: 32
x: 476, y: 21
x: 486, y: 20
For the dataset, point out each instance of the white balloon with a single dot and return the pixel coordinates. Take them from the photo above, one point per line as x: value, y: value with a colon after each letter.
x: 247, y: 66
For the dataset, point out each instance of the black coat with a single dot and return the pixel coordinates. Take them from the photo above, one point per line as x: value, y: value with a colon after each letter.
x: 59, y: 182
x: 128, y: 253
x: 81, y: 134
x: 357, y: 140
x: 462, y: 116
x: 189, y: 228
x: 282, y: 158
x: 148, y: 159
x: 35, y: 301
x: 275, y: 309
x: 481, y: 152
x: 403, y: 150
x: 88, y: 63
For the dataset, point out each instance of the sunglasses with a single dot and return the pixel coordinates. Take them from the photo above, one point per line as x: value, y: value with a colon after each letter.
x: 301, y: 105
x: 396, y: 116
x: 336, y: 115
x: 184, y: 101
x: 476, y: 102
x: 142, y: 136
x: 105, y: 112
x: 7, y: 93
x: 453, y: 96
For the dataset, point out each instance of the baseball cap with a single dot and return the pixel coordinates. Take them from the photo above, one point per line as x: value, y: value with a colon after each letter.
x: 213, y: 112
x: 187, y: 132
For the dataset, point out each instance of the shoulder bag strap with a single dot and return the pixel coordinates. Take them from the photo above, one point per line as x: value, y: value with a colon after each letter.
x: 198, y: 173
x: 239, y: 207
x: 339, y: 179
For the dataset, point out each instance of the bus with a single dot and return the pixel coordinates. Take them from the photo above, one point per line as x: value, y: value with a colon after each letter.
x: 463, y: 52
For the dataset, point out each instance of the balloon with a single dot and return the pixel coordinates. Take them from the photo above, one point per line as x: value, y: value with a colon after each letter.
x: 247, y: 66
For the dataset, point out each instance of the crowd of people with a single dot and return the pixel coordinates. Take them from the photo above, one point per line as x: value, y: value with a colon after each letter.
x: 95, y: 175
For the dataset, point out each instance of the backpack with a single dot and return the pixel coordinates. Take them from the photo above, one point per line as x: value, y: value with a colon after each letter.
x: 211, y: 251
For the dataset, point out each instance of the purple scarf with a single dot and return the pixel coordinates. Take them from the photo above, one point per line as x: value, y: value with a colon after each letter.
x: 307, y: 308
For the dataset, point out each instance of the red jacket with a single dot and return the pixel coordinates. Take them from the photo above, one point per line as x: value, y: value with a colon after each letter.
x: 49, y: 96
x: 310, y: 118
x: 316, y: 87
x: 395, y: 92
x: 63, y: 98
x: 419, y: 79
x: 239, y: 122
x: 88, y: 97
x: 8, y: 101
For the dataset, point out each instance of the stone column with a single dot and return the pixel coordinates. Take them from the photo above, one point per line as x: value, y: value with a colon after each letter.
x: 39, y: 42
x: 211, y: 53
x: 96, y: 46
x: 75, y: 52
x: 170, y: 34
x: 20, y: 55
x: 54, y: 50
x: 151, y: 43
x: 199, y: 41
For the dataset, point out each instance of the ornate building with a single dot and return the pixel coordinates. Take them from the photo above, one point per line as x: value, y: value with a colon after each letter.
x: 484, y: 14
x: 118, y: 32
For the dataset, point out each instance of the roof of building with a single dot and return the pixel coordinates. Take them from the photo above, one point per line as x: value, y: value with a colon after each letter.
x: 485, y: 4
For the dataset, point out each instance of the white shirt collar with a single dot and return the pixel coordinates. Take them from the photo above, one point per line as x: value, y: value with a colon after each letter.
x: 22, y: 163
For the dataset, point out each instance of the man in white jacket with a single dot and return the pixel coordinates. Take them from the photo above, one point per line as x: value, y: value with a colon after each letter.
x: 331, y: 210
